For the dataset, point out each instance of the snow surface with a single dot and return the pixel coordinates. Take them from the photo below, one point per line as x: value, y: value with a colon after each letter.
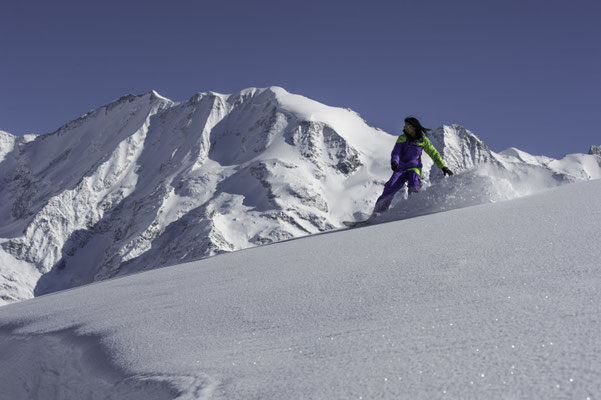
x: 493, y: 301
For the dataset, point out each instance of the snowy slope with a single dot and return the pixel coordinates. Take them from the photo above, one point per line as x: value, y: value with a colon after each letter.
x: 493, y: 301
x: 146, y: 182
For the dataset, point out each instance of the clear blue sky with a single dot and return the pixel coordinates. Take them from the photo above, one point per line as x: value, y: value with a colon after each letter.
x: 518, y: 73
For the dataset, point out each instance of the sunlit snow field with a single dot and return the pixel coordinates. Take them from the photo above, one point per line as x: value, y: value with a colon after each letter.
x: 494, y: 301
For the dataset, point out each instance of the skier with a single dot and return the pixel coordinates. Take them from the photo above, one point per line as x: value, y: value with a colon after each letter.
x: 406, y: 163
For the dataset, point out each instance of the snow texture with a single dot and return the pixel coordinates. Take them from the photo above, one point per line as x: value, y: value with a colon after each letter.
x: 7, y: 143
x: 492, y: 301
x: 146, y: 182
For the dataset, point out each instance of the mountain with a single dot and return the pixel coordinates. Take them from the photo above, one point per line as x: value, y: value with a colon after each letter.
x: 145, y: 182
x: 493, y: 301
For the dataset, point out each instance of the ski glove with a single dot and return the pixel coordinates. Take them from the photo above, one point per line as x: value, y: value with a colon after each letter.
x: 447, y: 171
x: 394, y: 166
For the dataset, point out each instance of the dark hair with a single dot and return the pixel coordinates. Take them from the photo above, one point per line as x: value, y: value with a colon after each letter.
x: 419, y: 129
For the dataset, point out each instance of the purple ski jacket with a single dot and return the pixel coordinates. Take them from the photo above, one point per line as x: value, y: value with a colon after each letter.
x: 407, y: 153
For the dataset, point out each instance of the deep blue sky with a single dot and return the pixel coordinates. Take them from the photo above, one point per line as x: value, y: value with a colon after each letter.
x: 517, y: 73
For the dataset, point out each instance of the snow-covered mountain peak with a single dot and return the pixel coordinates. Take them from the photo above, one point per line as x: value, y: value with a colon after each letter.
x: 117, y: 110
x: 527, y: 158
x: 513, y: 152
x: 455, y: 135
x: 4, y: 134
x: 155, y: 95
x: 460, y: 148
x: 144, y: 182
x: 214, y: 173
x: 275, y: 99
x: 246, y: 96
x: 133, y: 100
x: 7, y: 142
x: 252, y: 91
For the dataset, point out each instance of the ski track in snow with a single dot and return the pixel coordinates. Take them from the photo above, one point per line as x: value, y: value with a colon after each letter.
x: 66, y: 365
x: 493, y: 301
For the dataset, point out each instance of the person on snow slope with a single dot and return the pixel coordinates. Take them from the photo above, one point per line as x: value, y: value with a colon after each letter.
x: 406, y: 163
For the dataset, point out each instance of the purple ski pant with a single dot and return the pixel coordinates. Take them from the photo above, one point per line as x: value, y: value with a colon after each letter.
x: 396, y: 182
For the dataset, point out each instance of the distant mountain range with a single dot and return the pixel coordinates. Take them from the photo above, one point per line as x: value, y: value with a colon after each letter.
x: 145, y: 182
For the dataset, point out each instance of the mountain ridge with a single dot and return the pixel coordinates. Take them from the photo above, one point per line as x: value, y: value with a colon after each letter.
x: 144, y: 182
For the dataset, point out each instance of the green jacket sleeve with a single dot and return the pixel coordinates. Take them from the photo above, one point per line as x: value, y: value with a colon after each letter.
x: 433, y: 153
